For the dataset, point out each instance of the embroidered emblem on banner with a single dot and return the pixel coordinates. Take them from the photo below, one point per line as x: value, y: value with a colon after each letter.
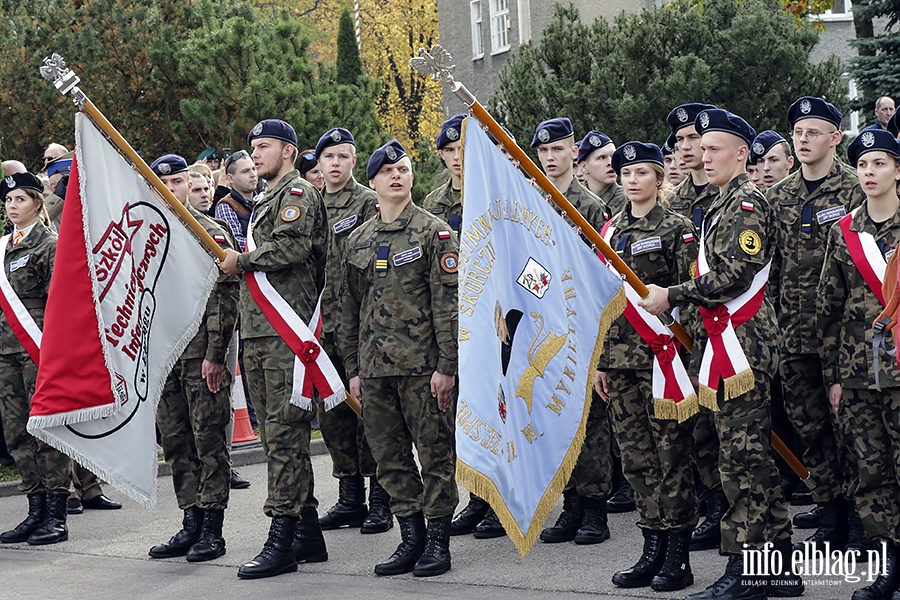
x: 344, y: 224
x: 407, y: 256
x: 535, y: 278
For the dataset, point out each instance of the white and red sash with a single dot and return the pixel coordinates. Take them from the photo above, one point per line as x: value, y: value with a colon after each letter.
x: 312, y: 366
x: 671, y: 383
x: 865, y: 255
x: 18, y: 317
x: 723, y: 358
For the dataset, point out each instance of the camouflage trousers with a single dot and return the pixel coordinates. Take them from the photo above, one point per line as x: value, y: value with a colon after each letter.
x: 592, y: 476
x: 283, y: 428
x: 192, y: 422
x: 825, y: 454
x: 343, y: 432
x: 85, y: 485
x: 757, y: 511
x: 41, y: 467
x: 400, y: 413
x: 705, y: 450
x: 874, y: 418
x: 656, y: 454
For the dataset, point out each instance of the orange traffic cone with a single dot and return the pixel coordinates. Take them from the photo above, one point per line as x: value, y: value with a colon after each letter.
x: 243, y: 431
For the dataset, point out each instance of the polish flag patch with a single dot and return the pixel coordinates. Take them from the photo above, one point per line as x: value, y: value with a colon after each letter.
x: 444, y: 235
x: 297, y: 191
x: 219, y: 238
x: 687, y: 237
x: 747, y: 205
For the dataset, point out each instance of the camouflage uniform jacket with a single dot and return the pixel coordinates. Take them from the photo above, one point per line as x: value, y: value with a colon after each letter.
x: 738, y: 245
x: 217, y: 325
x: 660, y: 248
x: 399, y: 313
x: 614, y: 198
x: 847, y: 307
x: 802, y: 221
x: 33, y: 257
x: 592, y: 208
x: 446, y: 204
x: 684, y: 200
x: 290, y: 230
x: 347, y: 209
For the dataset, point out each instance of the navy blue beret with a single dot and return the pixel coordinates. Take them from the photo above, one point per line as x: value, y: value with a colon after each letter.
x: 495, y: 141
x: 810, y: 107
x: 16, y: 181
x: 306, y: 162
x: 275, y: 129
x: 636, y: 152
x: 169, y: 164
x: 668, y: 146
x: 594, y: 140
x: 451, y: 130
x: 552, y: 130
x: 762, y: 143
x: 685, y: 115
x: 386, y: 155
x: 716, y: 119
x: 333, y: 137
x: 63, y: 163
x: 870, y: 141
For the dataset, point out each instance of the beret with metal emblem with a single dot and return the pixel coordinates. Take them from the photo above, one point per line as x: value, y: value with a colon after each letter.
x: 495, y: 141
x: 872, y: 140
x: 685, y: 115
x: 333, y: 137
x: 594, y: 140
x: 209, y: 153
x: 169, y: 164
x: 810, y: 107
x: 275, y: 129
x: 552, y: 130
x: 306, y: 162
x: 633, y: 153
x: 16, y: 181
x: 386, y: 155
x: 451, y: 130
x: 668, y: 146
x: 716, y: 119
x: 63, y: 163
x: 761, y: 145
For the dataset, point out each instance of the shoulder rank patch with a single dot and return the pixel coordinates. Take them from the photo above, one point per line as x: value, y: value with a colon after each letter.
x: 296, y: 191
x: 747, y: 205
x: 290, y: 213
x: 19, y: 263
x: 381, y: 258
x: 687, y: 237
x: 750, y: 242
x: 344, y: 224
x: 443, y: 235
x: 407, y: 256
x: 646, y: 245
x: 450, y: 262
x: 219, y: 238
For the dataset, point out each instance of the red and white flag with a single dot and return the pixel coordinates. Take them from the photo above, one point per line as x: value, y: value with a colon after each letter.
x: 129, y: 288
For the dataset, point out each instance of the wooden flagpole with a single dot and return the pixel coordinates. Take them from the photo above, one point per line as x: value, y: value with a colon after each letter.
x: 437, y: 64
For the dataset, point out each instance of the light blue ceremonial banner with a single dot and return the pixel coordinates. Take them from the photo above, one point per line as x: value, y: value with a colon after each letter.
x: 534, y: 305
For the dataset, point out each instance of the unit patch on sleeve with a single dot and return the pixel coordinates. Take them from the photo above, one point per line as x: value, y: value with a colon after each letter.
x: 290, y: 213
x: 450, y: 262
x: 750, y: 242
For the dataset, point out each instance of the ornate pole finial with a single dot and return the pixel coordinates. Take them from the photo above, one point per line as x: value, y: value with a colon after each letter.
x: 63, y: 78
x: 437, y: 64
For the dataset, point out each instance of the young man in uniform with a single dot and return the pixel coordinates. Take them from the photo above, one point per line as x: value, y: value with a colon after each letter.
x: 398, y: 340
x: 289, y: 234
x: 348, y: 205
x: 808, y: 203
x: 737, y: 358
x: 772, y: 156
x: 595, y: 159
x: 446, y: 201
x: 195, y: 406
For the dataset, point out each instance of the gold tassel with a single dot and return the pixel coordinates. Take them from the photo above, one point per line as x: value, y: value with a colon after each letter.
x: 738, y: 384
x: 708, y: 398
x: 665, y: 409
x: 687, y: 408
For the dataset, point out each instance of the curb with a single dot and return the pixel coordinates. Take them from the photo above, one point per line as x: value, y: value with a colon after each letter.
x: 241, y: 455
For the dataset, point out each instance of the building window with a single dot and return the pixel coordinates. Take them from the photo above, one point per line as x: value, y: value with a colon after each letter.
x: 477, y: 40
x: 841, y: 11
x: 499, y: 26
x: 524, y: 21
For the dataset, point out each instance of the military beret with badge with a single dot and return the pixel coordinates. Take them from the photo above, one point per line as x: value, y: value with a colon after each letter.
x: 275, y: 129
x: 388, y: 154
x: 810, y: 107
x: 169, y: 164
x: 208, y: 154
x: 20, y: 181
x: 594, y: 140
x: 872, y: 140
x: 717, y: 119
x: 685, y: 115
x: 333, y: 137
x: 634, y: 153
x: 761, y: 145
x: 668, y: 147
x: 451, y: 130
x: 552, y: 130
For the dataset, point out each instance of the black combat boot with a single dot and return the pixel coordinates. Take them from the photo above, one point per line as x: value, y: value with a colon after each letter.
x: 801, y: 496
x: 277, y: 556
x: 594, y: 528
x: 469, y: 518
x: 435, y: 559
x: 380, y: 517
x: 53, y: 529
x: 648, y: 565
x: 181, y: 542
x: 489, y: 527
x: 569, y: 520
x: 675, y: 573
x: 622, y: 500
x: 786, y: 583
x: 211, y: 543
x: 708, y: 534
x: 733, y: 585
x: 350, y: 510
x: 809, y: 519
x: 884, y: 586
x: 412, y: 544
x: 37, y: 512
x: 856, y: 539
x: 309, y: 543
x: 833, y: 526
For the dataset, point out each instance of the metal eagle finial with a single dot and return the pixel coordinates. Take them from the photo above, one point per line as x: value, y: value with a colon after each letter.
x: 436, y: 63
x: 63, y: 78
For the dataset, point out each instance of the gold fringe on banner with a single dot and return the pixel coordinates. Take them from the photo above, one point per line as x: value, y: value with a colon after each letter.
x: 687, y: 408
x: 737, y: 384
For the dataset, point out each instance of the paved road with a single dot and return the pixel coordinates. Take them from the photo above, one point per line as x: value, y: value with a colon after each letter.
x: 106, y: 557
